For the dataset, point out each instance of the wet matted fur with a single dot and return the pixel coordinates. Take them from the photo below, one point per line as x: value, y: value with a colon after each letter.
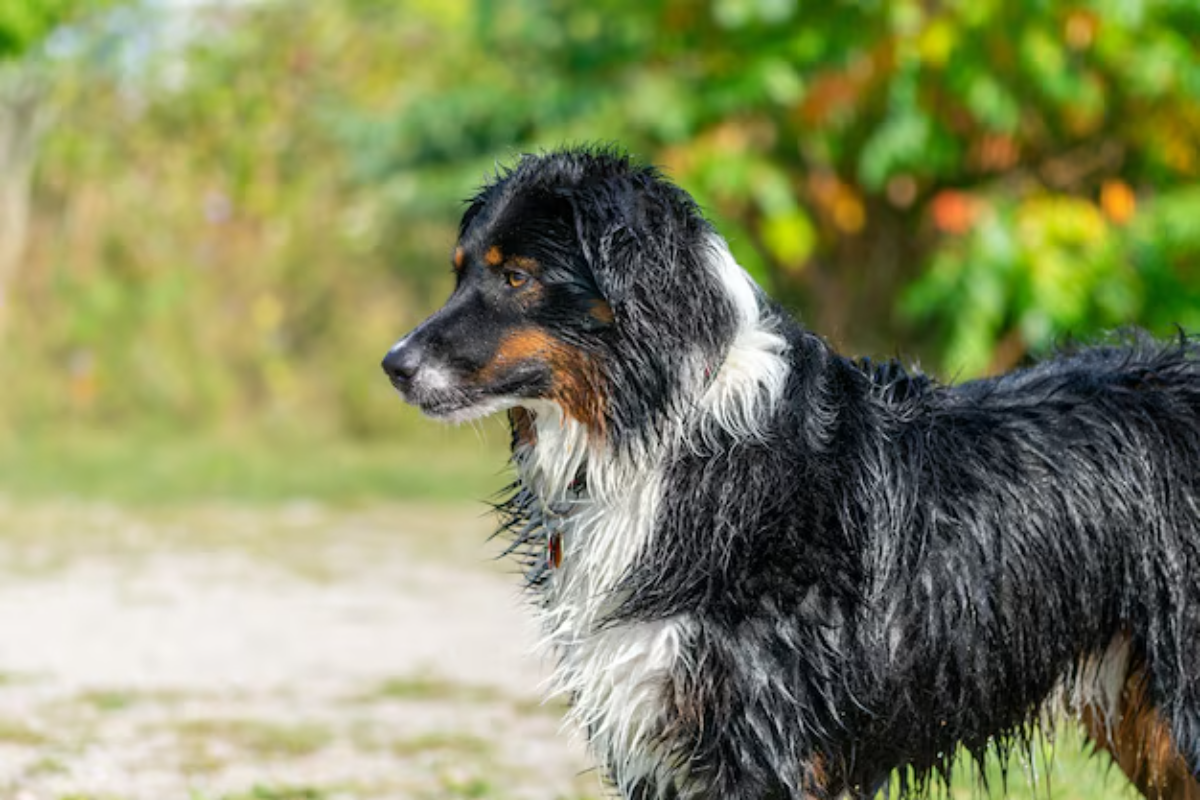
x: 766, y: 570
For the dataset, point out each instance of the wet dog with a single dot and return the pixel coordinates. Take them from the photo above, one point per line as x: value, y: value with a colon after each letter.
x: 766, y: 570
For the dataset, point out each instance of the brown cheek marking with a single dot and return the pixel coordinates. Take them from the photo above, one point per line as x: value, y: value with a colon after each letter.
x: 576, y: 382
x: 493, y: 256
x: 522, y: 345
x: 1141, y: 745
x: 578, y: 388
x: 601, y: 312
x: 460, y: 256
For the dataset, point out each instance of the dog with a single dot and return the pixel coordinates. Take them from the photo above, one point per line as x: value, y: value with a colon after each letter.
x: 766, y: 570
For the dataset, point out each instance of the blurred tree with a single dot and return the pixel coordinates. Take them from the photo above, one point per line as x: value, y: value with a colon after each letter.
x: 24, y: 26
x: 245, y: 201
x: 1003, y: 165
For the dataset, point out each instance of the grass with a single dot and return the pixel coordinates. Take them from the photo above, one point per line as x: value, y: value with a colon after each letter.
x: 469, y: 788
x: 315, y: 542
x: 435, y: 463
x: 47, y: 765
x: 109, y: 700
x: 257, y: 738
x: 112, y: 700
x: 1063, y: 768
x: 464, y: 745
x: 276, y: 793
x: 429, y: 687
x: 554, y: 707
x: 15, y: 732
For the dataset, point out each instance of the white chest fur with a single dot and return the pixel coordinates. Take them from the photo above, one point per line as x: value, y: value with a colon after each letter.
x: 614, y: 676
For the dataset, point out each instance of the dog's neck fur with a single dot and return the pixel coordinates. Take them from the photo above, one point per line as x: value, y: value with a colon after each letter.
x: 606, y: 497
x: 602, y: 503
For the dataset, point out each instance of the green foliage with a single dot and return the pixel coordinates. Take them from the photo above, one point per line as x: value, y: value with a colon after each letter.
x: 1005, y: 161
x: 24, y: 24
x: 232, y: 228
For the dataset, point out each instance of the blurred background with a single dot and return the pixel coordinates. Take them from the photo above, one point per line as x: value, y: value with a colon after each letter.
x: 216, y: 215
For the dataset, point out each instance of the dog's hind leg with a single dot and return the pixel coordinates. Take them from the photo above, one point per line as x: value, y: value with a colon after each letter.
x: 1140, y: 742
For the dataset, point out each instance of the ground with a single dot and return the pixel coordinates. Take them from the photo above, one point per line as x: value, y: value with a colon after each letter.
x: 263, y: 654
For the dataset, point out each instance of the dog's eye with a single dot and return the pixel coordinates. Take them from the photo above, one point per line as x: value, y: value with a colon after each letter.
x: 515, y: 278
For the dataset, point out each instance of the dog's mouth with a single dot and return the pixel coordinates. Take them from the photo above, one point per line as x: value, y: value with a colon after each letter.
x: 453, y: 404
x: 435, y: 403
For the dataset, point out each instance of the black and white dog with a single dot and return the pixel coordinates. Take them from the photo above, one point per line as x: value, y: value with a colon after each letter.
x: 769, y: 571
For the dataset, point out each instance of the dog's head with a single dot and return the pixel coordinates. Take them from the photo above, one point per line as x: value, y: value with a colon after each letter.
x: 584, y: 280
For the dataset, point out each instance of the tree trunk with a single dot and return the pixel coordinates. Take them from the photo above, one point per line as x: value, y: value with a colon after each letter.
x: 22, y: 117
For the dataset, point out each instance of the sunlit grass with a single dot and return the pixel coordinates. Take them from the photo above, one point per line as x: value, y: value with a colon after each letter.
x: 462, y: 745
x: 430, y: 687
x: 1061, y: 767
x: 254, y: 737
x: 16, y: 732
x: 440, y: 464
x: 274, y: 793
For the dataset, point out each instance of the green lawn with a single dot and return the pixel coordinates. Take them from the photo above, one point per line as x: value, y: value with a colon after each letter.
x: 1064, y: 769
x: 439, y: 464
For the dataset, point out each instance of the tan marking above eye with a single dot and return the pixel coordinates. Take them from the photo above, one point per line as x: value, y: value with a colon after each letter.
x: 494, y: 257
x: 460, y: 257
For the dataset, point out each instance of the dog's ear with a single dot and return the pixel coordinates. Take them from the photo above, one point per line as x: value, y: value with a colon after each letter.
x: 616, y: 239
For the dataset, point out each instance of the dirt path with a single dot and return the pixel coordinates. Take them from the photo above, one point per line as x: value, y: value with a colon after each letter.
x: 300, y: 652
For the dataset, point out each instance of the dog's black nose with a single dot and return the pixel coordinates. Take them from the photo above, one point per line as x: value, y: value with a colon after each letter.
x: 401, y: 363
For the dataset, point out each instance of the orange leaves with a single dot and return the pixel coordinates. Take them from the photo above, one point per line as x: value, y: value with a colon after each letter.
x: 1118, y: 201
x: 994, y: 152
x: 839, y: 92
x: 1079, y: 29
x: 831, y: 94
x: 953, y: 211
x: 839, y: 201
